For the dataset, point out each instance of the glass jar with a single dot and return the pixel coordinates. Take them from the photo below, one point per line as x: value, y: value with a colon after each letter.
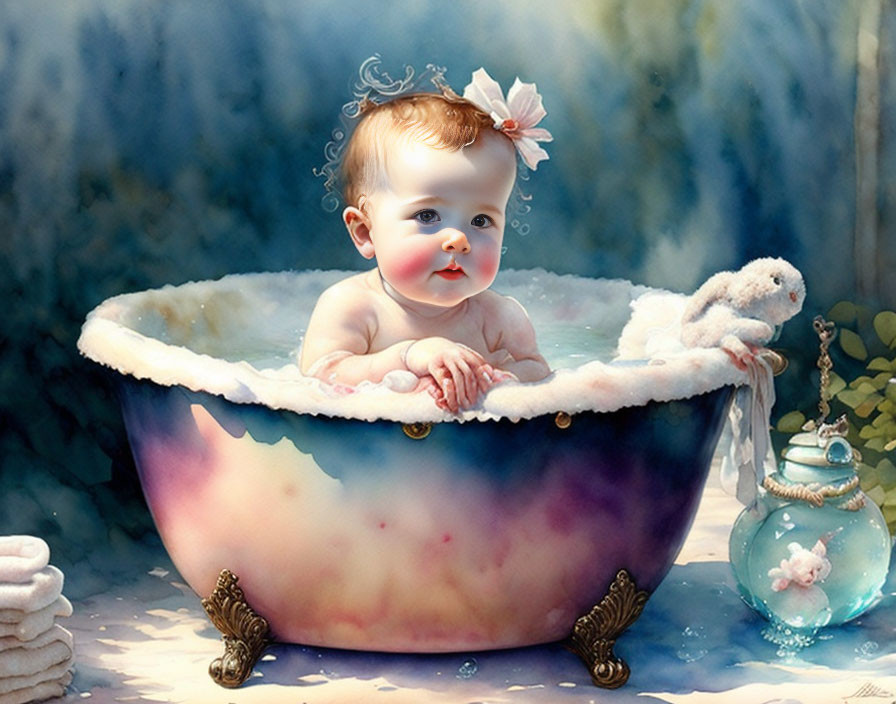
x: 813, y: 551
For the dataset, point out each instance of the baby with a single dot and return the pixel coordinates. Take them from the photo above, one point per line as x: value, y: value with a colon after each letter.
x: 427, y: 178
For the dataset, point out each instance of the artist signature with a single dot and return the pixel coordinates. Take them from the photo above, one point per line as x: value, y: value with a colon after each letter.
x: 870, y: 691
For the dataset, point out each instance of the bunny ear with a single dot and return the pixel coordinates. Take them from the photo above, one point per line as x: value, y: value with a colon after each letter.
x: 819, y: 549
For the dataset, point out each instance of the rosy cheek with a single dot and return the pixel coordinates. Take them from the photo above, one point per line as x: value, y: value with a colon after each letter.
x: 410, y: 264
x: 487, y: 266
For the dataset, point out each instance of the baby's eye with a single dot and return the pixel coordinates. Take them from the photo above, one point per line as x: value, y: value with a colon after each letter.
x: 426, y: 217
x: 482, y: 221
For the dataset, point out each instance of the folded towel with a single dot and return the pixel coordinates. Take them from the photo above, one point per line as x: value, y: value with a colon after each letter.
x: 20, y: 662
x: 55, y: 633
x: 31, y: 624
x: 21, y: 556
x: 42, y: 589
x: 13, y: 684
x: 48, y: 689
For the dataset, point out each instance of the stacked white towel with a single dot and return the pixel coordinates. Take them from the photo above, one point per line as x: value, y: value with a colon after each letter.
x: 36, y: 653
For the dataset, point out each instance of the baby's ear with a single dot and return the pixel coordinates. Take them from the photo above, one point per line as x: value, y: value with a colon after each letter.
x: 358, y: 225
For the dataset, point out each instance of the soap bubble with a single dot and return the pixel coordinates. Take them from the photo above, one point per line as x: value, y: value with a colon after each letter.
x: 693, y: 640
x: 867, y: 650
x: 468, y: 669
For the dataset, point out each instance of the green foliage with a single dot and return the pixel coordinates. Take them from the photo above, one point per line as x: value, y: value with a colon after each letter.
x: 852, y: 344
x: 866, y: 393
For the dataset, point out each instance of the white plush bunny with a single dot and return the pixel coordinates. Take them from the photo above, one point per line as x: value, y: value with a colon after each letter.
x: 803, y: 568
x: 740, y: 310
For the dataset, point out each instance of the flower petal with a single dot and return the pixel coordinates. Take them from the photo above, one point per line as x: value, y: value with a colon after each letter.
x: 484, y: 92
x: 525, y: 104
x: 530, y: 152
x: 523, y: 108
x: 539, y: 134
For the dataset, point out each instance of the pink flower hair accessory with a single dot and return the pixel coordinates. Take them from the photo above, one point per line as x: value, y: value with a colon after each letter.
x: 517, y: 116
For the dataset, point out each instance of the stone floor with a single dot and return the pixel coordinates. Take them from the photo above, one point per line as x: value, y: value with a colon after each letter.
x: 149, y: 641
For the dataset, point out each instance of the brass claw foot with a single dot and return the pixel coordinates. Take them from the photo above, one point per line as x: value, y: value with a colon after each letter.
x: 245, y: 633
x: 595, y: 634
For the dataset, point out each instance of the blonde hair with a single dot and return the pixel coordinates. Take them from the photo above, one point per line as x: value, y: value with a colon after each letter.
x: 439, y: 121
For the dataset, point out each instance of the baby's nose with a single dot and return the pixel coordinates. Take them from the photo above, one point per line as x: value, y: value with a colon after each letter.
x: 456, y: 241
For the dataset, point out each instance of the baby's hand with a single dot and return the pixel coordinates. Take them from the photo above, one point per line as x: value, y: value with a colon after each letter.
x: 429, y: 385
x: 459, y: 373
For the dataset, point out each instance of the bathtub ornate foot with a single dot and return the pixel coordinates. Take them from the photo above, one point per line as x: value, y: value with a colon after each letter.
x: 595, y: 634
x: 245, y: 632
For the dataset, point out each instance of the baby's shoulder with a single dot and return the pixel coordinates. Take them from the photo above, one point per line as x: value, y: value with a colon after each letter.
x: 501, y: 314
x: 494, y: 305
x: 350, y: 294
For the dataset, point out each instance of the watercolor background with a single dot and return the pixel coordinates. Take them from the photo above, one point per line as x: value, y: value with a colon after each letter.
x: 151, y: 143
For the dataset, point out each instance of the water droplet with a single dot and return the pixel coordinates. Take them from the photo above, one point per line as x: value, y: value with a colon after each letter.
x: 468, y: 669
x: 867, y: 650
x: 693, y: 640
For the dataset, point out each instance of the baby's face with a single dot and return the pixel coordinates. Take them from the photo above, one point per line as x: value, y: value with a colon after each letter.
x: 437, y: 223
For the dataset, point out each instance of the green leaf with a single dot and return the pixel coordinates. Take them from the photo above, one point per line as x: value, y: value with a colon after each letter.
x: 885, y: 327
x: 890, y: 517
x: 877, y: 495
x: 852, y: 344
x: 876, y: 444
x: 853, y: 397
x: 791, y: 422
x: 890, y: 393
x: 843, y: 313
x: 867, y: 477
x: 863, y: 404
x: 887, y: 406
x: 863, y: 384
x: 881, y: 364
x: 868, y: 431
x: 885, y: 422
x: 837, y: 384
x: 881, y: 380
x: 863, y: 410
x: 886, y: 474
x: 858, y: 381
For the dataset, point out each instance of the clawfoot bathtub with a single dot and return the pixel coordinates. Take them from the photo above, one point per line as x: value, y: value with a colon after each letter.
x: 369, y: 519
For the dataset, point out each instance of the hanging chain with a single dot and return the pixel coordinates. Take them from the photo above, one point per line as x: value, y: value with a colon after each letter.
x: 826, y: 332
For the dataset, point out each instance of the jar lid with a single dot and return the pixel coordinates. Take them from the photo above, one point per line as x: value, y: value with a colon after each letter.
x: 809, y: 458
x: 837, y: 452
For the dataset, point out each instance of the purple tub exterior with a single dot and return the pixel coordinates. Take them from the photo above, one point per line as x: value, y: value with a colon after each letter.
x: 482, y: 535
x: 346, y: 532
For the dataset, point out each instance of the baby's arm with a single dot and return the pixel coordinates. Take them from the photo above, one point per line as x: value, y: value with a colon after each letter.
x: 510, y: 335
x: 337, y: 341
x: 337, y: 349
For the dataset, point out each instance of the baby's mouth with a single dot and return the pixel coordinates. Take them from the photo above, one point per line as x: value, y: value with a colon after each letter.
x: 451, y: 272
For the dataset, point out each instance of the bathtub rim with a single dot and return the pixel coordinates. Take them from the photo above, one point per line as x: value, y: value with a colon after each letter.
x: 107, y: 341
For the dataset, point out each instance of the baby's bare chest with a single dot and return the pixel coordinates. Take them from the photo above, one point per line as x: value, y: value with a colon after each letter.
x: 389, y: 327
